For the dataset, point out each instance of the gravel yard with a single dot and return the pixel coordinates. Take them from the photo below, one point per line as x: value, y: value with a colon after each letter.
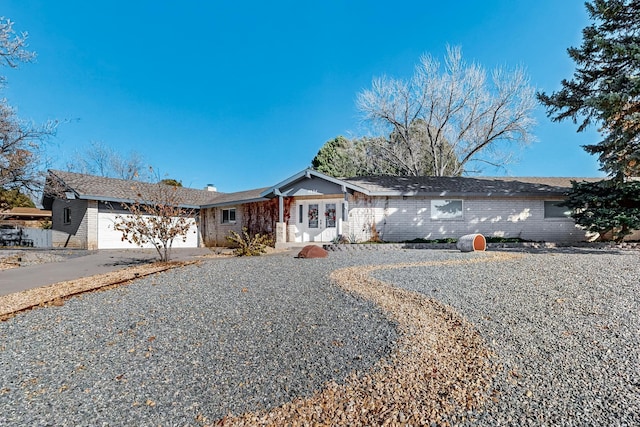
x: 565, y: 327
x: 12, y: 258
x: 189, y: 346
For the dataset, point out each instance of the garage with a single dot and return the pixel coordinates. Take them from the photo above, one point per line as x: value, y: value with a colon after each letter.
x: 110, y: 238
x: 85, y: 208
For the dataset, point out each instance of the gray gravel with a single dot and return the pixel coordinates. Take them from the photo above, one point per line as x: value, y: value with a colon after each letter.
x: 33, y: 256
x: 231, y: 335
x: 241, y: 334
x: 565, y: 326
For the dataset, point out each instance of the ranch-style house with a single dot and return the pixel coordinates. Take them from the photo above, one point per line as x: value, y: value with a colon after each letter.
x: 313, y: 207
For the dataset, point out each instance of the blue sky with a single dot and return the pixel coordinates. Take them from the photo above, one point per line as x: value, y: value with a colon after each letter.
x: 243, y: 94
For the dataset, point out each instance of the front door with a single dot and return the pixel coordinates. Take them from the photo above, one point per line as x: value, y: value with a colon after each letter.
x: 318, y: 220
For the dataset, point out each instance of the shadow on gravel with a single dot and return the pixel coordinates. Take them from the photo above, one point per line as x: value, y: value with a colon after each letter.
x: 130, y: 262
x: 568, y: 250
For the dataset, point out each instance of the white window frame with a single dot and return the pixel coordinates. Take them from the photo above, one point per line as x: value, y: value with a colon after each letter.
x: 435, y: 216
x: 565, y: 215
x: 66, y: 215
x: 229, y: 212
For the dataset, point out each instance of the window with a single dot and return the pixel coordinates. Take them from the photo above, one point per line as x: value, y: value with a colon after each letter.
x: 66, y: 215
x: 446, y: 209
x: 300, y: 214
x: 553, y: 210
x: 313, y: 215
x: 228, y: 215
x: 330, y: 215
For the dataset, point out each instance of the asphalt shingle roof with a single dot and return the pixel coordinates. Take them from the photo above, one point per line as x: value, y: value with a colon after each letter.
x: 238, y: 197
x: 111, y: 189
x: 101, y: 188
x: 481, y: 186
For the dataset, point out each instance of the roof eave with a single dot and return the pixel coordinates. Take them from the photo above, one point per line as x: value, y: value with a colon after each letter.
x: 465, y: 194
x: 121, y: 200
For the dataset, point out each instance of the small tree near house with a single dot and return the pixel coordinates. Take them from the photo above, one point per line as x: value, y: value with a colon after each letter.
x: 157, y: 217
x: 608, y: 207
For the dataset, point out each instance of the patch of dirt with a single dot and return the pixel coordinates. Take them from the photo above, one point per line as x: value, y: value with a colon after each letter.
x: 8, y: 262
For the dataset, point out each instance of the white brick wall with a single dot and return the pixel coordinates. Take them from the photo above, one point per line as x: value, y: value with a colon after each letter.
x: 92, y: 224
x: 398, y: 219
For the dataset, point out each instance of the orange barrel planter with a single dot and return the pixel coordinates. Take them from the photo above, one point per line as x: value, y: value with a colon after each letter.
x: 471, y: 243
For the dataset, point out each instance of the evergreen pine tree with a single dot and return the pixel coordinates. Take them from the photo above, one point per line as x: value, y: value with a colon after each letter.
x: 605, y: 89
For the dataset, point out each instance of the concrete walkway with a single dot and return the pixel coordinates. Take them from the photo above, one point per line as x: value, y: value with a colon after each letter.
x: 99, y: 262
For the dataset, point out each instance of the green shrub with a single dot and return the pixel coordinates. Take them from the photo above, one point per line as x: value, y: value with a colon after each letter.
x: 421, y: 240
x: 609, y: 207
x: 340, y: 239
x: 494, y: 239
x: 417, y: 240
x: 246, y: 245
x: 491, y: 239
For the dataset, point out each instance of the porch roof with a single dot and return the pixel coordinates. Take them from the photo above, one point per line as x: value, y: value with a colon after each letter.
x: 281, y: 188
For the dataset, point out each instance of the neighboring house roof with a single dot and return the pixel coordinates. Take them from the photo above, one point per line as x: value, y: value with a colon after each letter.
x: 91, y: 187
x: 464, y: 186
x: 25, y: 213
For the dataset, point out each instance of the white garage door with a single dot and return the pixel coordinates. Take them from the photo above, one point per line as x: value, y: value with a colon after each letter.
x: 109, y: 238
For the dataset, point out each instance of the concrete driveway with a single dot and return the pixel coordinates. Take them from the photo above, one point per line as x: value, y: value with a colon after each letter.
x: 98, y: 262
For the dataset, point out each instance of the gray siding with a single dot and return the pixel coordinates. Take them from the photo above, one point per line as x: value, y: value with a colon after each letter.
x: 74, y: 234
x: 313, y: 187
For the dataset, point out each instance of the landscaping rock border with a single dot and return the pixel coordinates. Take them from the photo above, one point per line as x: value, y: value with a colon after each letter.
x: 515, y: 245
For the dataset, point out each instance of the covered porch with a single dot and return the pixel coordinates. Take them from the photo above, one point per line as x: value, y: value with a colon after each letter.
x: 312, y: 207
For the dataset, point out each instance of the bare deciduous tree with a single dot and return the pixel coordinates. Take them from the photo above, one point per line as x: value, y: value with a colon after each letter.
x: 102, y: 160
x: 458, y: 111
x: 13, y: 46
x: 20, y: 141
x: 20, y: 150
x: 158, y: 217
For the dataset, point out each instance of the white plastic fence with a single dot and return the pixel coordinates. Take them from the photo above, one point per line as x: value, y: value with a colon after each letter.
x: 34, y: 237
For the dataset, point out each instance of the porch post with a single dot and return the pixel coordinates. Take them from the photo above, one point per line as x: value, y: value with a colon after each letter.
x: 281, y: 227
x: 344, y: 215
